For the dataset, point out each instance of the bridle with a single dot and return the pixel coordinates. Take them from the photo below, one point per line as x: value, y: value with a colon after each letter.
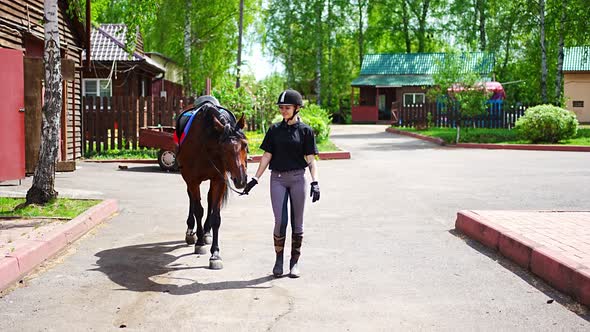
x: 227, y: 183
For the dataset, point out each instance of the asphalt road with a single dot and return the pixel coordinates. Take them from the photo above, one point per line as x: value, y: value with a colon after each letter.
x: 379, y: 251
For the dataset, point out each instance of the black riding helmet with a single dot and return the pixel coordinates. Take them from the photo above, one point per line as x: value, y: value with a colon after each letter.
x: 290, y: 97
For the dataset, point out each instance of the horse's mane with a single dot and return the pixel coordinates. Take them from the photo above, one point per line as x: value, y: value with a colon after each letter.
x: 228, y: 119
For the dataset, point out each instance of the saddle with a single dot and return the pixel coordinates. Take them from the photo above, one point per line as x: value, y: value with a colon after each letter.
x: 185, y: 120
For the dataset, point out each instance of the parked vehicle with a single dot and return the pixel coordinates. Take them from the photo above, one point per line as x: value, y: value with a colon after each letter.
x: 162, y: 138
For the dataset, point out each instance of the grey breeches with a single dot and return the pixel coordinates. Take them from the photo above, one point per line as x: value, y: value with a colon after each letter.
x: 288, y: 187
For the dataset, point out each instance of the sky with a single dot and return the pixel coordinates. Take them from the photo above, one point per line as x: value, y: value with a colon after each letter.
x: 259, y: 64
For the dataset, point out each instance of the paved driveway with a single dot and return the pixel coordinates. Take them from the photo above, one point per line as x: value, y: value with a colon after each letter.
x: 379, y: 251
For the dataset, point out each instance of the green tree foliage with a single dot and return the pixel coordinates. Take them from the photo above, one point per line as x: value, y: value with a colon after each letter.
x: 212, y: 26
x: 459, y: 87
x: 321, y: 42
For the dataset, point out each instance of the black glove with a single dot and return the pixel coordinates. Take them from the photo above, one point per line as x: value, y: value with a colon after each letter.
x: 249, y: 186
x: 315, y: 191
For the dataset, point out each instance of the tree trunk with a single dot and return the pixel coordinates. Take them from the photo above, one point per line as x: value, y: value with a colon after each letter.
x: 240, y: 31
x: 361, y: 36
x: 422, y: 26
x: 406, y: 26
x: 543, y: 51
x: 187, y: 49
x: 481, y: 8
x: 559, y: 76
x: 319, y: 51
x: 43, y: 188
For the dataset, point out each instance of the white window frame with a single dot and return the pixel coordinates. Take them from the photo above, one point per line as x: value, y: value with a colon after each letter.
x: 98, y: 81
x: 414, y: 94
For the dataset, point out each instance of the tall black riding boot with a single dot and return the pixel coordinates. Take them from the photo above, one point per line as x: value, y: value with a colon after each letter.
x: 296, y: 241
x: 277, y: 270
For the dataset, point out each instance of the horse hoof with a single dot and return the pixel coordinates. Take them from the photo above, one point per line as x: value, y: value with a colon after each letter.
x: 215, y: 264
x: 200, y: 250
x: 190, y: 238
x: 208, y: 238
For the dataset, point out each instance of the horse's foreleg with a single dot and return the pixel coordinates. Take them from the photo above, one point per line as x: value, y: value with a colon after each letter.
x: 216, y: 191
x: 190, y: 237
x: 208, y: 239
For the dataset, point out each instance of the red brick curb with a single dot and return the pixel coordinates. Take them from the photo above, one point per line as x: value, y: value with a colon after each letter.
x: 560, y: 272
x: 534, y: 147
x: 434, y: 140
x: 31, y: 253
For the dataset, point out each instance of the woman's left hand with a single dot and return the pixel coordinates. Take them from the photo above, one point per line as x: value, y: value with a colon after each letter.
x: 315, y: 192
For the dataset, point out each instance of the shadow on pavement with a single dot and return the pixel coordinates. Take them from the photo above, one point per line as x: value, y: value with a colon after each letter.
x: 144, y: 169
x: 553, y: 294
x: 136, y: 267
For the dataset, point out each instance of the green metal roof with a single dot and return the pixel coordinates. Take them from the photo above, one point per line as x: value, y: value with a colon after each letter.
x: 576, y: 58
x: 393, y: 80
x: 414, y: 69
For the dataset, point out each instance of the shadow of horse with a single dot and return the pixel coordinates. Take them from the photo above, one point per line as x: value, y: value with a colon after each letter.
x: 135, y: 267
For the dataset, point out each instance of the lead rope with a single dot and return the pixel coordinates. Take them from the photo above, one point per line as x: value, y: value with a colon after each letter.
x: 225, y: 179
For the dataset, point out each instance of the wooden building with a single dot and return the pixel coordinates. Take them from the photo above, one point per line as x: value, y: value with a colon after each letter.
x: 169, y: 85
x: 576, y: 72
x: 112, y: 70
x: 389, y: 81
x: 21, y: 65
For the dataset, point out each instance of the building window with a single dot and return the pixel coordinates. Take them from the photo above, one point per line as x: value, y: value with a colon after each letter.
x: 578, y: 103
x: 413, y: 99
x: 97, y: 87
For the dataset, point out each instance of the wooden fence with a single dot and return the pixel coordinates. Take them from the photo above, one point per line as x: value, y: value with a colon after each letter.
x: 114, y: 122
x: 498, y: 115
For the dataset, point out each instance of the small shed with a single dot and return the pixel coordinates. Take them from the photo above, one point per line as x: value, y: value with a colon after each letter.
x: 21, y: 65
x: 112, y: 71
x: 576, y: 86
x: 388, y: 81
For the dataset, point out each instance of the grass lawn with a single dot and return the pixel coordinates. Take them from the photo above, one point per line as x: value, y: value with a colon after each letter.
x: 499, y: 136
x: 59, y: 208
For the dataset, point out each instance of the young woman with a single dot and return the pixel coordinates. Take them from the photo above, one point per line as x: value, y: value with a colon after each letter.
x: 289, y: 148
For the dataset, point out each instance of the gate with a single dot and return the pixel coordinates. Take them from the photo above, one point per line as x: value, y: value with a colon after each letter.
x: 12, y: 116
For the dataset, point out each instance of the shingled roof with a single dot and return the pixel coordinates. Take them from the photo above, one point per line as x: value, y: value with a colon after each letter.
x: 415, y: 69
x: 576, y: 58
x: 107, y: 43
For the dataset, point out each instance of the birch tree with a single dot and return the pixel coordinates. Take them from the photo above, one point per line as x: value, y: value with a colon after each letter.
x: 43, y: 188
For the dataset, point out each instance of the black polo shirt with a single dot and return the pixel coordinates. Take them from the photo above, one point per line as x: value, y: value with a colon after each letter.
x: 289, y: 145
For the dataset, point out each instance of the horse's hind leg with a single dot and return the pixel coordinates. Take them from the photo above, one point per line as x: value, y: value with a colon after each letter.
x: 190, y: 236
x: 197, y: 213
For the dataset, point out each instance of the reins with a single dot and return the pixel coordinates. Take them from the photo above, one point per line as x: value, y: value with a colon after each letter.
x: 224, y: 178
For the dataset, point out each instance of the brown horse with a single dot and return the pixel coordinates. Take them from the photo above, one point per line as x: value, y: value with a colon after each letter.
x: 213, y: 147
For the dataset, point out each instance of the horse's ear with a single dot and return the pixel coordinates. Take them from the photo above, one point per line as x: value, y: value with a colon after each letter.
x: 218, y: 125
x: 241, y: 122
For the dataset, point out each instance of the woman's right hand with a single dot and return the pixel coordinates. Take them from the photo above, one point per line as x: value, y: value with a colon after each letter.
x: 249, y: 186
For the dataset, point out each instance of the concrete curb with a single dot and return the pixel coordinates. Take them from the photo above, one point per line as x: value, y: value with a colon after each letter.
x: 31, y: 253
x: 532, y: 147
x: 560, y: 272
x: 434, y: 140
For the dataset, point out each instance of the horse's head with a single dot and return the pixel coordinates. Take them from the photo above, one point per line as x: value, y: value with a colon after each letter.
x: 234, y: 150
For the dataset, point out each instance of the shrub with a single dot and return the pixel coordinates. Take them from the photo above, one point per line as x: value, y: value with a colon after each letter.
x: 317, y: 118
x: 547, y: 124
